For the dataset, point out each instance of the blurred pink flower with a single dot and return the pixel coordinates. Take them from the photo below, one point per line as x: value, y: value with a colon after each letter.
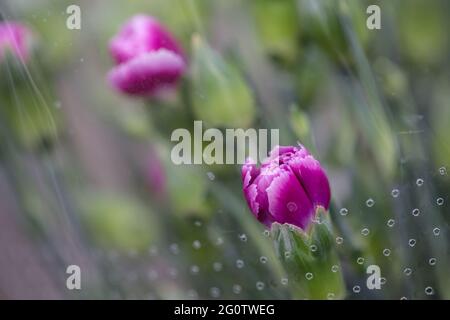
x: 16, y: 38
x: 288, y: 187
x: 147, y: 57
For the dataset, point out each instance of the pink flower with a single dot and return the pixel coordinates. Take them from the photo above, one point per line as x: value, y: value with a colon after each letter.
x: 287, y: 188
x: 16, y: 38
x: 147, y: 57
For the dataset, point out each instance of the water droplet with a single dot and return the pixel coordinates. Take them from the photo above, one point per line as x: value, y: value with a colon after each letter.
x: 360, y: 260
x: 219, y: 241
x: 419, y: 182
x: 436, y: 231
x: 391, y: 223
x: 383, y: 280
x: 432, y: 261
x: 292, y: 207
x: 196, y: 244
x: 263, y: 259
x: 343, y: 211
x: 57, y: 104
x: 429, y: 291
x: 309, y: 276
x: 386, y: 252
x: 407, y: 271
x: 339, y: 240
x: 287, y: 254
x: 210, y: 175
x: 239, y: 264
x: 198, y: 223
x: 243, y: 237
x: 174, y: 248
x: 173, y: 272
x: 217, y: 266
x: 412, y: 242
x: 330, y: 296
x: 335, y: 268
x: 415, y: 212
x: 313, y: 248
x: 192, y: 294
x: 266, y: 233
x: 237, y: 289
x: 356, y: 289
x: 365, y: 232
x: 370, y: 202
x: 153, y: 251
x: 440, y: 201
x: 214, y: 292
x: 442, y: 171
x: 395, y: 193
x: 403, y: 298
x: 284, y: 281
x: 195, y: 269
x: 260, y: 285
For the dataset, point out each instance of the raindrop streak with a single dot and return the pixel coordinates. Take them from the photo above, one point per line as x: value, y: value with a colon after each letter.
x: 365, y: 232
x: 356, y: 289
x: 343, y: 211
x: 412, y: 242
x: 370, y: 202
x: 432, y: 261
x: 309, y: 276
x: 395, y: 193
x: 440, y: 201
x: 386, y: 252
x: 419, y: 182
x: 391, y: 223
x: 415, y: 212
x: 429, y: 291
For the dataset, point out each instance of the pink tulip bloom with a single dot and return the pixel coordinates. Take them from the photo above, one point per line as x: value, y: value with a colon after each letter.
x: 16, y: 38
x: 288, y: 187
x: 147, y: 58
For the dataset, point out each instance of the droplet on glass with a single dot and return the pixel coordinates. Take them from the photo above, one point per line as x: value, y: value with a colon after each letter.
x: 243, y: 237
x: 214, y: 292
x: 217, y: 266
x: 335, y: 268
x: 260, y: 285
x: 313, y: 248
x: 370, y: 202
x: 360, y: 260
x: 196, y: 244
x: 239, y: 264
x: 442, y: 171
x: 395, y: 193
x: 415, y: 212
x: 339, y: 240
x: 440, y: 201
x: 407, y: 271
x: 356, y: 289
x: 365, y: 232
x: 237, y: 289
x: 432, y: 261
x: 429, y: 291
x: 309, y: 276
x: 412, y: 242
x: 210, y: 175
x: 391, y: 223
x: 343, y: 211
x: 419, y: 182
x: 263, y: 259
x: 436, y: 231
x: 386, y: 252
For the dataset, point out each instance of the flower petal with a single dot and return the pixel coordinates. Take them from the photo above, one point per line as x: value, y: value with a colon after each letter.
x: 288, y: 202
x: 147, y: 73
x: 313, y: 179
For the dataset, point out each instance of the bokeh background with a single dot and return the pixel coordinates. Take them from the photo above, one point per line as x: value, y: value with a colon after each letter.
x: 86, y: 176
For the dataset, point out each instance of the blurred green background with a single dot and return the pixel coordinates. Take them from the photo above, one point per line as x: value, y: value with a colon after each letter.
x: 86, y: 176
